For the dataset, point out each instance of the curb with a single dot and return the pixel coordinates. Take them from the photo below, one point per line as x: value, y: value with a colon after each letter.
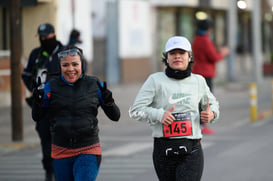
x: 13, y: 147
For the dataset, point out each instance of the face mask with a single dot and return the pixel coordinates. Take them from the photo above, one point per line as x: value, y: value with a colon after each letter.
x: 49, y: 44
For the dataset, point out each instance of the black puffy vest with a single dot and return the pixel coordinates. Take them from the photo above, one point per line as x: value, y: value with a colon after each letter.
x: 73, y: 111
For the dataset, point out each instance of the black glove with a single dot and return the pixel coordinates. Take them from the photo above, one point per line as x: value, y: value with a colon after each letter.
x: 29, y: 100
x: 38, y: 91
x: 106, y: 94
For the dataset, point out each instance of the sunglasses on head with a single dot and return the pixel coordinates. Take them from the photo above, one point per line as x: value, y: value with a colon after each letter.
x: 71, y: 52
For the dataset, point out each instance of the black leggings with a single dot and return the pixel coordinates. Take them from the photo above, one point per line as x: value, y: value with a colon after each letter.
x: 42, y: 127
x: 184, y: 167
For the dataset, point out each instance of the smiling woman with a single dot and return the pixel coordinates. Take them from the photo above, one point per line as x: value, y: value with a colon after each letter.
x: 71, y: 65
x: 72, y: 100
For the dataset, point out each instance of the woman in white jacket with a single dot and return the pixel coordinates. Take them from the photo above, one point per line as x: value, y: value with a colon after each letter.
x: 169, y: 102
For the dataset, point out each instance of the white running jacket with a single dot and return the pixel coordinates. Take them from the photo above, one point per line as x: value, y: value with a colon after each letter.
x: 160, y: 93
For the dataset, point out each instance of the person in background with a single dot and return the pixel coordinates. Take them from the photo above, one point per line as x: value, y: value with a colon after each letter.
x: 169, y: 103
x: 74, y: 37
x: 72, y: 100
x: 43, y: 61
x: 205, y: 57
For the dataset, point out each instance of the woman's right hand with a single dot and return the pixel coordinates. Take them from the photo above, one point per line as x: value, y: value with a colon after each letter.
x: 224, y: 51
x: 168, y: 118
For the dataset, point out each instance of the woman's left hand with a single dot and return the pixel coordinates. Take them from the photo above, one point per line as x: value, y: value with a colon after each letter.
x: 208, y: 115
x: 168, y: 118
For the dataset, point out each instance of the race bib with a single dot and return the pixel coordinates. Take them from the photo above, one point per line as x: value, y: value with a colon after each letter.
x: 181, y: 126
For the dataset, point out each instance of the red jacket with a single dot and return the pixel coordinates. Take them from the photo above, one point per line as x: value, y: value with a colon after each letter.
x: 205, y: 56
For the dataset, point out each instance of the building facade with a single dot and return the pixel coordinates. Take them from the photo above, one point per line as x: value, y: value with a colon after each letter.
x: 124, y: 39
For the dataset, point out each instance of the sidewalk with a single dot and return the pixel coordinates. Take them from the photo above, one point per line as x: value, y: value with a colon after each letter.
x: 232, y: 96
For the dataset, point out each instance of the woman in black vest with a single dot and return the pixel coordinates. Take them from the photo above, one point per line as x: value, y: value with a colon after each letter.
x: 72, y: 100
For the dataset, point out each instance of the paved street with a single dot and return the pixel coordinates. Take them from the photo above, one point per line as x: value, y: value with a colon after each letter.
x: 237, y: 154
x: 241, y: 154
x: 239, y: 151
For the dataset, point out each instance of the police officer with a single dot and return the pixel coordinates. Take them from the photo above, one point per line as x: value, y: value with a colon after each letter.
x: 43, y: 61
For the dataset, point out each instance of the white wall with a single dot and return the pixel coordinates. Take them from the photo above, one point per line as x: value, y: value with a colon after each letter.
x: 174, y: 2
x: 83, y: 22
x: 224, y: 4
x: 99, y: 18
x: 135, y: 25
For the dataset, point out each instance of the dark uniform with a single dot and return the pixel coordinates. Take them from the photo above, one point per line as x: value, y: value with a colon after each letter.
x: 43, y: 61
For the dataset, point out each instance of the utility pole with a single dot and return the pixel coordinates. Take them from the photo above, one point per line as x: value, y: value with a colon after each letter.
x: 73, y: 13
x: 112, y: 57
x: 232, y: 34
x: 257, y: 40
x: 15, y: 66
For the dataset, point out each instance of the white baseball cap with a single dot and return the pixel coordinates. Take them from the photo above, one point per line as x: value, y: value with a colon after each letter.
x: 178, y: 42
